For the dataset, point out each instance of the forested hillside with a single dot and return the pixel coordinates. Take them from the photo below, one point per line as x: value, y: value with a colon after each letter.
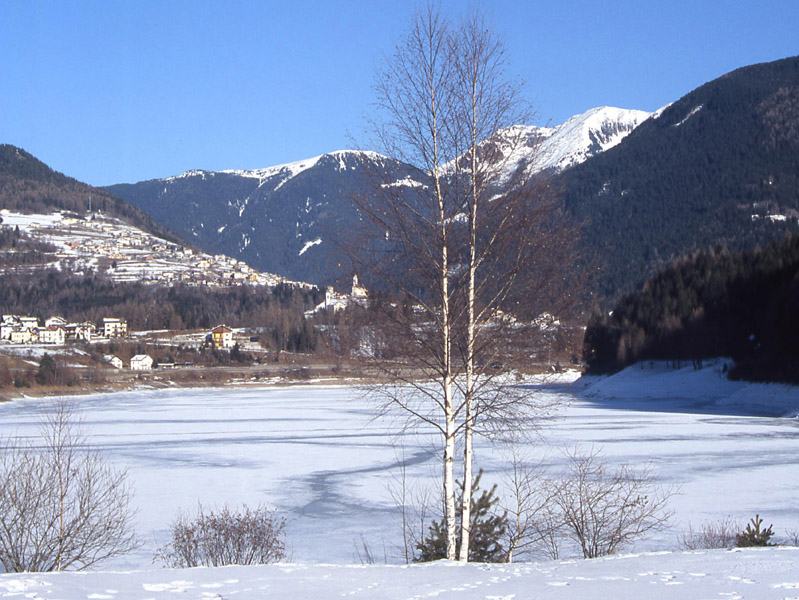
x: 714, y: 303
x: 29, y: 186
x: 288, y: 219
x: 718, y: 166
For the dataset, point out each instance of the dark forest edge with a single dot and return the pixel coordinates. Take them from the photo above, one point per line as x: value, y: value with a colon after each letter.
x: 744, y: 305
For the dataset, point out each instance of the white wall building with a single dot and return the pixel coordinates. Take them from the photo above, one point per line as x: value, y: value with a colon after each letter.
x: 114, y: 327
x: 114, y: 361
x: 141, y: 362
x: 53, y: 334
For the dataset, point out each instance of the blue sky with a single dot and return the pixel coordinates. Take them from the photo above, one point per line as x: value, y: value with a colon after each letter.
x: 112, y: 91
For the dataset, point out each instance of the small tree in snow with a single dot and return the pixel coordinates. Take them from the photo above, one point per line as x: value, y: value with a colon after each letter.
x: 61, y: 505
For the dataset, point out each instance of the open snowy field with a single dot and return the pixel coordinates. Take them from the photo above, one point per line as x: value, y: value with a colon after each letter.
x: 751, y: 574
x: 316, y: 454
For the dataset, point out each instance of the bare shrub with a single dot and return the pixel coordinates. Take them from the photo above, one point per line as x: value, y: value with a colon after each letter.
x: 603, y: 509
x: 534, y: 528
x: 61, y: 505
x: 249, y: 536
x: 793, y: 537
x: 711, y: 534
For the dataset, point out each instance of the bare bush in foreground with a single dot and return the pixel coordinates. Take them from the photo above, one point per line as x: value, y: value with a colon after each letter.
x: 603, y: 509
x: 61, y: 505
x: 249, y: 536
x: 711, y: 534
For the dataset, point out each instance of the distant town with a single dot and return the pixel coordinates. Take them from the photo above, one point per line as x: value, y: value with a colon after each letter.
x: 56, y: 331
x: 128, y: 254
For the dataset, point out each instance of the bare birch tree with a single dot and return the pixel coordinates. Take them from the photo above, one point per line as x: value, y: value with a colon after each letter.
x: 465, y: 247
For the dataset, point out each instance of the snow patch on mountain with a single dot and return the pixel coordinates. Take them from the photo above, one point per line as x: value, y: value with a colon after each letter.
x: 660, y: 111
x: 584, y: 136
x: 404, y: 182
x: 191, y: 173
x: 288, y: 170
x: 557, y: 148
x: 694, y: 110
x: 309, y: 245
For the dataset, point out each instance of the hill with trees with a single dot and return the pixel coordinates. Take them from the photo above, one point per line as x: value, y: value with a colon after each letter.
x: 744, y: 305
x: 718, y: 166
x: 29, y: 186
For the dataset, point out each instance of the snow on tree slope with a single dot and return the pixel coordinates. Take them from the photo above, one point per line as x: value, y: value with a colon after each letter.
x: 763, y: 574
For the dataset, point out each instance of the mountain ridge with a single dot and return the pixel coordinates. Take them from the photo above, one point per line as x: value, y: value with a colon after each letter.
x: 719, y: 166
x: 27, y: 184
x: 296, y: 208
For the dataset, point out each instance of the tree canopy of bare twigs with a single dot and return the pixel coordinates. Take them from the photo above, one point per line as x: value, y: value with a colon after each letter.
x: 61, y: 505
x: 468, y: 251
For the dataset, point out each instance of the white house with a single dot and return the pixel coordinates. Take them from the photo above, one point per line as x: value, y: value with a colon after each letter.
x: 222, y: 335
x: 6, y: 328
x: 29, y: 321
x: 81, y: 331
x: 22, y: 335
x: 359, y: 293
x: 114, y: 361
x: 55, y: 321
x: 114, y: 327
x: 141, y: 362
x: 54, y: 334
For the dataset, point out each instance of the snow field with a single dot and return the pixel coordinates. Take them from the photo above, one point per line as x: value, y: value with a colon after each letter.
x: 762, y: 574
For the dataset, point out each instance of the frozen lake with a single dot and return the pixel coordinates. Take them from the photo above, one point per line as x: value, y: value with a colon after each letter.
x: 316, y: 454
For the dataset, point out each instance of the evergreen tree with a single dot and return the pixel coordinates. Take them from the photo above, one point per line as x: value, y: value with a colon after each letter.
x: 487, y: 529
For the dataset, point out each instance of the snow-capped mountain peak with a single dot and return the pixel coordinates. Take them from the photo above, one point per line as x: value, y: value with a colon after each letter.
x: 563, y: 146
x: 292, y: 169
x: 586, y: 135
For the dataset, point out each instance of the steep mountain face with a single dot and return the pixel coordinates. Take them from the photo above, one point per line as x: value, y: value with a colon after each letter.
x: 719, y: 166
x: 284, y: 219
x: 575, y: 141
x: 28, y: 185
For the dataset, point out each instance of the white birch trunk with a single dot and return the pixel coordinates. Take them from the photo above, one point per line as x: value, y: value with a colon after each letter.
x: 468, y: 432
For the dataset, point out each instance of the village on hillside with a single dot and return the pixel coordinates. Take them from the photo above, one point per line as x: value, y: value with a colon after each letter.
x: 127, y: 254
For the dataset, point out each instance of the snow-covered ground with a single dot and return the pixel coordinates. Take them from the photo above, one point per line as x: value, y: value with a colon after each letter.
x: 318, y: 456
x: 741, y: 574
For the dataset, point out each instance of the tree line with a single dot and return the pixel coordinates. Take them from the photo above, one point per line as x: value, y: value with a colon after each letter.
x: 278, y: 311
x: 744, y: 305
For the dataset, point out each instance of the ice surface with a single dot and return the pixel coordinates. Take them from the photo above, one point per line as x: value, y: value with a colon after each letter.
x: 317, y: 454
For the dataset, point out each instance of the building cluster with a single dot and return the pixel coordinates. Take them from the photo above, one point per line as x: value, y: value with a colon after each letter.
x: 28, y: 330
x: 134, y: 255
x: 335, y: 301
x: 140, y: 362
